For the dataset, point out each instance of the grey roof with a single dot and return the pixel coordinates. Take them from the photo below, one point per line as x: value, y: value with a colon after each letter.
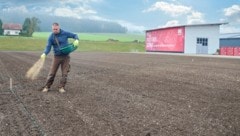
x: 190, y: 25
x: 229, y: 35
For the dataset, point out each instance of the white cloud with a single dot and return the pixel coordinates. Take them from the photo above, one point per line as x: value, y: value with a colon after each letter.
x: 82, y: 10
x: 195, y: 18
x: 78, y: 1
x: 44, y: 10
x: 17, y: 9
x: 95, y: 17
x: 131, y: 27
x: 72, y: 8
x: 233, y: 13
x: 229, y: 29
x: 73, y: 12
x: 169, y: 8
x: 171, y: 23
x: 65, y: 12
x: 176, y: 10
x: 63, y: 8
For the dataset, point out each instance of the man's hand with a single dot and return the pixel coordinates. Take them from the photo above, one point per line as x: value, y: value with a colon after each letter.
x: 43, y: 56
x: 75, y: 43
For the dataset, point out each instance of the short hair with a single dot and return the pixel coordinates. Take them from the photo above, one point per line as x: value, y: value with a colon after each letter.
x: 55, y: 24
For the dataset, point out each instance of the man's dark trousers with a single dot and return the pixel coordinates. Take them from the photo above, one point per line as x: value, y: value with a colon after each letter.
x: 62, y: 61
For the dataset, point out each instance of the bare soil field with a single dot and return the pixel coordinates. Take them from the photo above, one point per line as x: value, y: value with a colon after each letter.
x: 122, y: 94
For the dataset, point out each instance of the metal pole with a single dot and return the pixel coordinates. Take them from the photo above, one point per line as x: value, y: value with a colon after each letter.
x: 11, y: 84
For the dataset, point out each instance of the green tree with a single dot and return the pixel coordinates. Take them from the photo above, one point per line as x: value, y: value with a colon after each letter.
x: 35, y: 24
x: 1, y: 29
x: 30, y: 25
x: 26, y: 27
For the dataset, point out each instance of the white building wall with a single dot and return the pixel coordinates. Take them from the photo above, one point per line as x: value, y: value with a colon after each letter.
x: 193, y: 32
x: 11, y: 32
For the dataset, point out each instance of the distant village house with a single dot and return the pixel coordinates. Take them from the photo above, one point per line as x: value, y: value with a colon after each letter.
x: 11, y: 29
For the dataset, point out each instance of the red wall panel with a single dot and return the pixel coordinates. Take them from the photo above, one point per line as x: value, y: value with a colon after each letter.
x: 170, y: 40
x: 230, y: 51
x: 223, y: 51
x: 236, y: 51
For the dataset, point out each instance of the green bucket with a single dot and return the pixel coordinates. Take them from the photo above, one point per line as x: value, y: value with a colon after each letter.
x: 68, y: 49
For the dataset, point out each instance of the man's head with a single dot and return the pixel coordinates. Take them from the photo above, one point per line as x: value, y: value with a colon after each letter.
x: 55, y: 28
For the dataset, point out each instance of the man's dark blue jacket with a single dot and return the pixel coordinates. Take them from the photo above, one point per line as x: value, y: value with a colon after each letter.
x: 62, y: 38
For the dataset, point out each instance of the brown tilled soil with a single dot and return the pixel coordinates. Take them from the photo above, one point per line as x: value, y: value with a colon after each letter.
x: 122, y: 94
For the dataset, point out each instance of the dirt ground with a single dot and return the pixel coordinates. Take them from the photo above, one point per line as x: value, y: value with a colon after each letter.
x: 122, y: 94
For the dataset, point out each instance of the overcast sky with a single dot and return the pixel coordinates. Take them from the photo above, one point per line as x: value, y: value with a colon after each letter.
x: 135, y: 14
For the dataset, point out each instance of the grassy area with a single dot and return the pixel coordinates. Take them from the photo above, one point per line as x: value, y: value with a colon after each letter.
x: 107, y: 36
x: 111, y: 46
x: 16, y: 43
x: 100, y: 36
x: 88, y: 42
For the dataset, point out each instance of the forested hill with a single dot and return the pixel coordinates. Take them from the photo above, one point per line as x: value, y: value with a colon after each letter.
x: 70, y: 24
x: 83, y: 25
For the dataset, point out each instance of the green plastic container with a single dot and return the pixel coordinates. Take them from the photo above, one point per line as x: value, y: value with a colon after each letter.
x: 68, y: 49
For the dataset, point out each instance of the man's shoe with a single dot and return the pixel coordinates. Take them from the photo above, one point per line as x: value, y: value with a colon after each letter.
x: 45, y: 89
x: 61, y: 90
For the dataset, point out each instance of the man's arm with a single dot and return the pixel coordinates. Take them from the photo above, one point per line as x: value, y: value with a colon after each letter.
x: 47, y: 48
x: 74, y: 36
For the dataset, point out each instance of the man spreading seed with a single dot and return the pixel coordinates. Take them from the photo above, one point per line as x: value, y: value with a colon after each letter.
x: 59, y: 39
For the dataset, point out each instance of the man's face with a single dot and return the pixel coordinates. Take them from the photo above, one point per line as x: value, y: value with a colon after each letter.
x: 55, y: 29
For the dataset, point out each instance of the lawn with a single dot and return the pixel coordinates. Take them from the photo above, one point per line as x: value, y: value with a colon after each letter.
x: 88, y: 42
x: 100, y: 36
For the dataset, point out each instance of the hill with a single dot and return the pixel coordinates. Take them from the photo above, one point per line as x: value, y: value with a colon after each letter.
x: 77, y: 25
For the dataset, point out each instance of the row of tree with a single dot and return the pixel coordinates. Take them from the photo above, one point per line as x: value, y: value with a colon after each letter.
x: 1, y: 29
x: 83, y: 25
x: 29, y: 26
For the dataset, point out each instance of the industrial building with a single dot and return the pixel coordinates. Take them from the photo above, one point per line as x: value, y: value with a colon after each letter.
x: 189, y: 39
x: 230, y: 44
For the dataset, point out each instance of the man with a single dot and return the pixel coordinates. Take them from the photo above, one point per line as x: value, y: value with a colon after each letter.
x: 57, y: 40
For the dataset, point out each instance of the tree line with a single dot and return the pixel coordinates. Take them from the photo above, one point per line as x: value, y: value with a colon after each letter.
x: 83, y: 25
x: 31, y: 25
x: 1, y: 29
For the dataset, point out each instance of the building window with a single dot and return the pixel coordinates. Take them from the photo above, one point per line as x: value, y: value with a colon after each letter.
x: 203, y: 41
